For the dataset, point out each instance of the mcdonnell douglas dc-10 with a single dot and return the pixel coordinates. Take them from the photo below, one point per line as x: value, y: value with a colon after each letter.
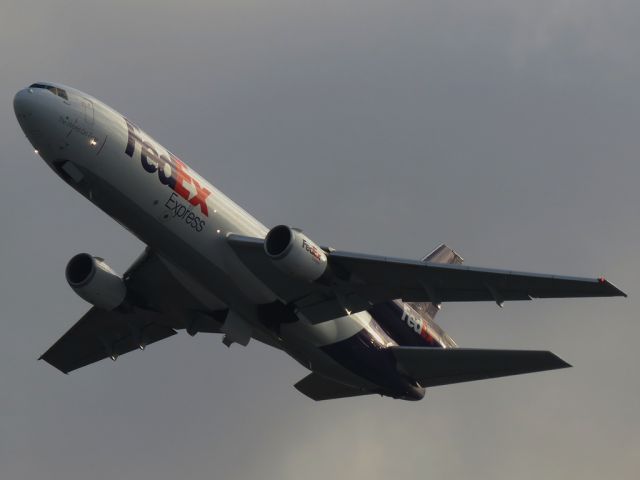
x: 362, y: 324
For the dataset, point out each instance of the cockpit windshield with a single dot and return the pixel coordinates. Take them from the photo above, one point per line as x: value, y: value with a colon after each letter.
x: 55, y: 90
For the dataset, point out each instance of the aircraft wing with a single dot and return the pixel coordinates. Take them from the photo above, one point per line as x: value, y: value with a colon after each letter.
x: 161, y: 303
x: 359, y: 281
x: 100, y: 334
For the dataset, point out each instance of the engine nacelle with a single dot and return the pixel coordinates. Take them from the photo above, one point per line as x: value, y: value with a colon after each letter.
x: 94, y: 281
x: 293, y: 253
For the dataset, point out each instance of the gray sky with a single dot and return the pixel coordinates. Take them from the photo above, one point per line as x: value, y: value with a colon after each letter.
x: 507, y: 129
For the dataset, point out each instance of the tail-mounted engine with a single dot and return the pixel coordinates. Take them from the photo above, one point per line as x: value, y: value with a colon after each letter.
x: 94, y: 281
x: 295, y: 254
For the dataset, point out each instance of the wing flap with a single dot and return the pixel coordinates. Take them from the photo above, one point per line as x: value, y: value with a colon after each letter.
x: 434, y: 366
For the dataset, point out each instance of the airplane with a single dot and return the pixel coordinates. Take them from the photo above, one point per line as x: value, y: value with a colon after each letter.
x: 361, y: 324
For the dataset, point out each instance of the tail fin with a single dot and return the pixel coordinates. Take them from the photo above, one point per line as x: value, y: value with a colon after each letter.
x: 411, y: 323
x: 442, y: 254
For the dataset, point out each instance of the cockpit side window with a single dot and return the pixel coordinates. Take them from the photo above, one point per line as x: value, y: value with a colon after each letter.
x: 62, y: 93
x: 55, y: 90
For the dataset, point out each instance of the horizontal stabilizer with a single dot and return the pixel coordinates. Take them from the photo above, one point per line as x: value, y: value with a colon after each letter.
x: 319, y: 387
x: 436, y: 366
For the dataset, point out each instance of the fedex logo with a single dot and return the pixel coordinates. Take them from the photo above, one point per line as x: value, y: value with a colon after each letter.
x: 418, y: 324
x: 313, y: 250
x: 170, y: 169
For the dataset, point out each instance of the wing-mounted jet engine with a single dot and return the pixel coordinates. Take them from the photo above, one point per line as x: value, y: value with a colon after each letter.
x: 295, y: 254
x: 95, y: 281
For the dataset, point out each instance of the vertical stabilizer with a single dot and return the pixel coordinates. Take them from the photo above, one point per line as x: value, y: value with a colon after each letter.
x: 411, y: 323
x: 441, y: 254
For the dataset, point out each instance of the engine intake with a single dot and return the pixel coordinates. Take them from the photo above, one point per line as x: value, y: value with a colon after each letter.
x: 94, y: 281
x: 295, y: 254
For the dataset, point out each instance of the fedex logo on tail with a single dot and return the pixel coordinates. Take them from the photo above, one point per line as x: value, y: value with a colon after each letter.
x: 419, y: 325
x: 170, y: 169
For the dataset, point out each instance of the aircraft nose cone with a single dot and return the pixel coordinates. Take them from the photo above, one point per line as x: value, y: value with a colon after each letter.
x: 33, y: 114
x: 23, y: 104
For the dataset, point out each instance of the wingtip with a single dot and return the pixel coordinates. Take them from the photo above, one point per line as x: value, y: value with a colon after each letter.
x: 612, y: 289
x: 559, y: 362
x: 564, y: 364
x: 618, y: 292
x: 42, y: 357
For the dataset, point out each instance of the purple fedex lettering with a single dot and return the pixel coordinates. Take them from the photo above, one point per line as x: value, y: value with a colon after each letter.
x: 171, y: 170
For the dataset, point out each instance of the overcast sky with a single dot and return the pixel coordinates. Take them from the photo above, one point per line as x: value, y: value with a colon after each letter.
x: 508, y: 129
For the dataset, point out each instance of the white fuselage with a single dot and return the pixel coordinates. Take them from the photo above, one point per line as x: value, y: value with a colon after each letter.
x: 168, y: 206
